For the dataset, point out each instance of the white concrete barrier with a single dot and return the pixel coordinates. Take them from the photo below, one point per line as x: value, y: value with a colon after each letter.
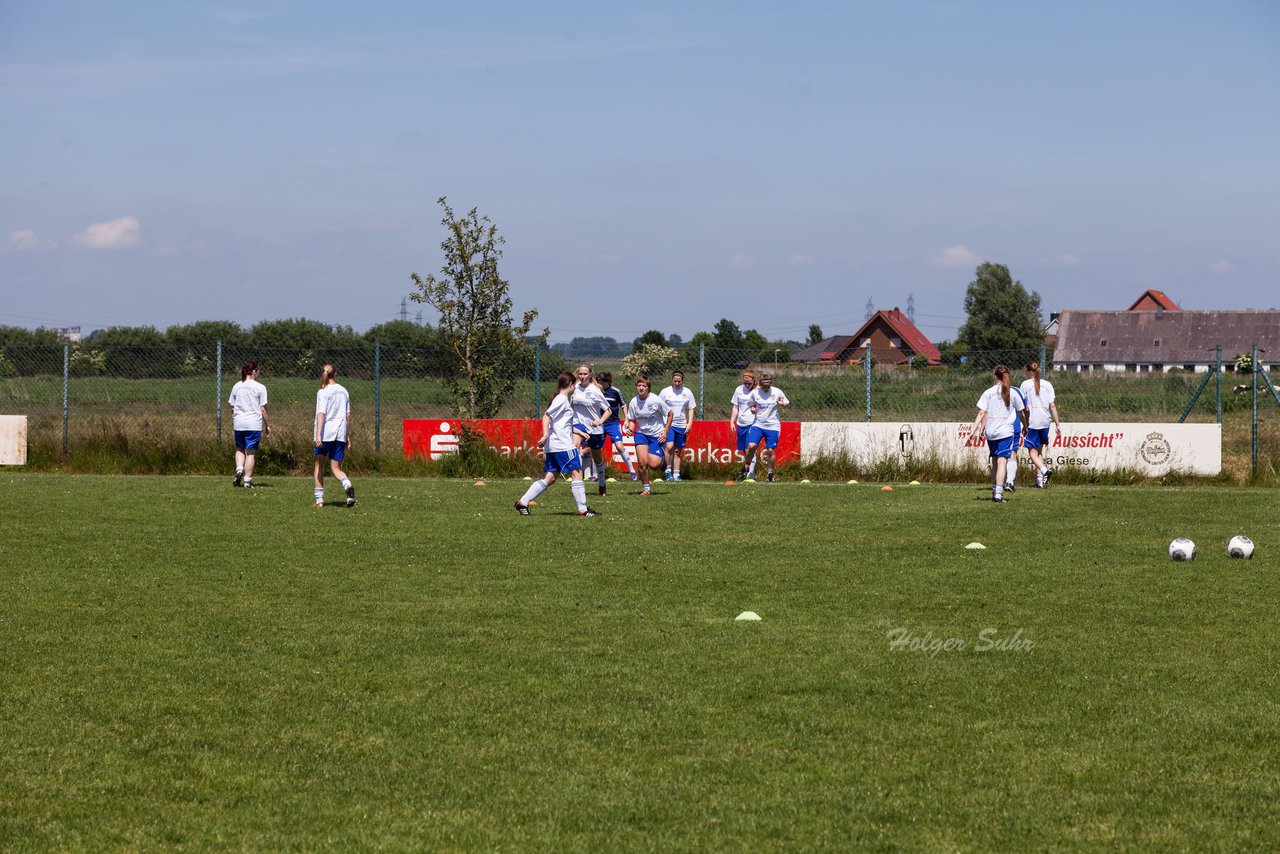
x: 1154, y: 449
x: 13, y: 440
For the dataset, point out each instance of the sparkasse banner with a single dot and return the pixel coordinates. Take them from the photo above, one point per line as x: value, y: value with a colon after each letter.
x: 708, y: 441
x: 1154, y: 449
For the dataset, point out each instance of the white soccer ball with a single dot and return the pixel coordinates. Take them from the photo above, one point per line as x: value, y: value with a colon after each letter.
x: 1182, y: 549
x: 1240, y: 546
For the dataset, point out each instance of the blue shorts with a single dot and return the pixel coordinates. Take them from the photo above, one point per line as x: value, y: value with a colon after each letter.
x: 563, y: 462
x: 1037, y: 437
x: 247, y: 440
x: 677, y: 436
x: 333, y: 450
x: 613, y: 429
x: 1003, y: 447
x: 652, y: 446
x: 744, y: 434
x: 593, y: 440
x: 757, y: 434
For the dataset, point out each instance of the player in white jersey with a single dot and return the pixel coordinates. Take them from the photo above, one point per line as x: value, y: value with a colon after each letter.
x: 1039, y: 396
x: 682, y: 403
x: 249, y: 421
x: 590, y: 411
x: 740, y: 420
x: 998, y: 411
x: 651, y: 420
x: 762, y: 437
x: 332, y: 435
x: 559, y: 444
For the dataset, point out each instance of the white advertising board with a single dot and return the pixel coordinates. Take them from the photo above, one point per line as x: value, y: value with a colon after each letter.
x: 1154, y: 449
x: 13, y: 440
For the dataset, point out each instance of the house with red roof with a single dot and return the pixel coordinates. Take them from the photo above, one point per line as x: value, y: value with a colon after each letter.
x: 1153, y: 300
x: 893, y: 337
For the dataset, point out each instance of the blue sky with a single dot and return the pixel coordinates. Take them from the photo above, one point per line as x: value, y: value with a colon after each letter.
x: 656, y: 165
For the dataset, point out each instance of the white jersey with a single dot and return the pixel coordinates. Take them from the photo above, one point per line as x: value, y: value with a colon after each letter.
x: 742, y: 399
x: 335, y: 403
x: 1038, y: 404
x: 560, y: 436
x: 1000, y: 418
x: 649, y: 414
x: 681, y: 402
x: 766, y: 405
x: 589, y: 403
x: 247, y: 399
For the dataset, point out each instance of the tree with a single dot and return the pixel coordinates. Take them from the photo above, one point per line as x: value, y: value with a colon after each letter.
x: 475, y: 314
x: 753, y: 340
x: 693, y: 348
x: 1002, y: 315
x: 815, y: 335
x: 653, y: 336
x: 727, y: 335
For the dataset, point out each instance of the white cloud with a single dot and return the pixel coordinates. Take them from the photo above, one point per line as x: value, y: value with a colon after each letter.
x: 956, y: 256
x: 1222, y: 267
x: 120, y: 233
x: 1069, y: 260
x: 800, y: 261
x: 24, y: 239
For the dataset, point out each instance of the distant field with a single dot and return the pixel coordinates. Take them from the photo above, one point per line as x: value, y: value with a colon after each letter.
x: 191, y: 666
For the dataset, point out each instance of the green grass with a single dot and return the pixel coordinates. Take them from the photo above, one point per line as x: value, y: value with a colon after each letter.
x: 190, y: 666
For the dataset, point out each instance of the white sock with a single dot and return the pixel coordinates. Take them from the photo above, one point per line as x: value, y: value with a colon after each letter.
x: 248, y: 480
x: 319, y: 490
x: 998, y: 490
x: 346, y: 483
x: 1012, y: 469
x: 537, y: 488
x: 239, y: 471
x: 1043, y: 469
x: 579, y: 490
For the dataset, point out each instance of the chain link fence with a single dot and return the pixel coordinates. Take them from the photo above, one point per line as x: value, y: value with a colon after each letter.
x: 123, y: 397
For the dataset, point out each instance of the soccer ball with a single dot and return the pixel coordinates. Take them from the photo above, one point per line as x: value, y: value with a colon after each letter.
x: 1182, y: 549
x: 1240, y: 546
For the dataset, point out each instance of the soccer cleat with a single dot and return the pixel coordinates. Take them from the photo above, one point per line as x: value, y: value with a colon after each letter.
x: 1048, y: 473
x: 602, y: 487
x: 248, y: 484
x: 769, y: 477
x: 239, y: 479
x: 667, y: 474
x: 351, y: 496
x: 742, y: 474
x: 634, y: 477
x: 522, y: 509
x: 676, y: 477
x: 645, y: 493
x: 588, y: 512
x: 1008, y: 487
x: 999, y: 499
x: 318, y: 504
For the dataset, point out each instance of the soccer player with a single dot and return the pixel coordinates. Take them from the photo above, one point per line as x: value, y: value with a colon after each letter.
x: 590, y: 411
x: 1040, y: 399
x: 332, y: 436
x: 998, y: 410
x: 249, y: 420
x: 617, y: 418
x: 651, y: 418
x: 682, y: 404
x: 562, y: 456
x: 740, y: 420
x: 762, y: 437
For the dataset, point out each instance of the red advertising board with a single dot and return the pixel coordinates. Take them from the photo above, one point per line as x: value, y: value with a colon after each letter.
x: 709, y: 441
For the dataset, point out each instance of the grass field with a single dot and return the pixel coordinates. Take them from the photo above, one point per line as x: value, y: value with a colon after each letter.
x: 190, y: 666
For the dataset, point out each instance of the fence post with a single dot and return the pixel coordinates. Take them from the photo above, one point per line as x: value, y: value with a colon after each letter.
x: 218, y: 393
x: 377, y: 396
x: 66, y: 379
x: 537, y: 378
x: 867, y: 361
x: 1044, y: 365
x: 1253, y: 466
x: 702, y: 375
x: 1219, y: 371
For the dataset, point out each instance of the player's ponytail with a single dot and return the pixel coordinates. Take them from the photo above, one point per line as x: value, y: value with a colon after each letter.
x: 327, y: 375
x: 1033, y: 368
x: 249, y: 367
x: 1001, y: 373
